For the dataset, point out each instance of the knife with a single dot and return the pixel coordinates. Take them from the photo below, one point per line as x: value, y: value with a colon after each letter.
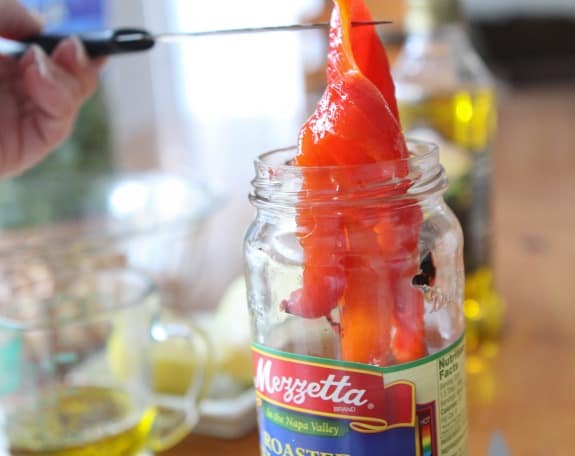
x: 128, y: 40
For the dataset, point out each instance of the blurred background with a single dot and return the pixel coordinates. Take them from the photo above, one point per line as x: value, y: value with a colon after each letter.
x: 206, y: 107
x: 169, y: 141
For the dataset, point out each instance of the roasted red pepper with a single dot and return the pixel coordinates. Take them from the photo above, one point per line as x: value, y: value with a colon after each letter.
x: 355, y: 259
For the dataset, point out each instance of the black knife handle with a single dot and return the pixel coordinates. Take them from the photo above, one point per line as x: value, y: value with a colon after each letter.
x: 101, y: 43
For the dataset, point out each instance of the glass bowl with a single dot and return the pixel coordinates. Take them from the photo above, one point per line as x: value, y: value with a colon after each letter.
x: 148, y: 221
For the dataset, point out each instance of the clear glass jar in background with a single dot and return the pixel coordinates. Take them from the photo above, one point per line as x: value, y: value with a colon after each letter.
x: 275, y: 267
x: 447, y: 95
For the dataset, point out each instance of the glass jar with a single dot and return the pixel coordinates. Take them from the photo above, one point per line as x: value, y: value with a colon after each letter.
x: 313, y: 395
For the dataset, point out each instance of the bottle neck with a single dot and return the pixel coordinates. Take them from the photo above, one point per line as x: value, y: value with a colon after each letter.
x: 436, y: 30
x: 430, y: 16
x: 439, y: 42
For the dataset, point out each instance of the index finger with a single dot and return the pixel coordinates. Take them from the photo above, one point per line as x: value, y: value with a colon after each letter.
x: 16, y: 21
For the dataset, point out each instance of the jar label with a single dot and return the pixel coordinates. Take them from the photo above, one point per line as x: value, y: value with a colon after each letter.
x: 312, y: 406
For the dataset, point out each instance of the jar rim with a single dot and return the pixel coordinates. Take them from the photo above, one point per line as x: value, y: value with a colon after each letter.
x: 279, y: 184
x: 423, y: 154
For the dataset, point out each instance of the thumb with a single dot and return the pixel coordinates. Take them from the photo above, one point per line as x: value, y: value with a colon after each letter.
x: 16, y: 21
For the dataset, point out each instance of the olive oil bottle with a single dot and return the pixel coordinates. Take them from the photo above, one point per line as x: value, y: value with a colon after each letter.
x: 446, y: 94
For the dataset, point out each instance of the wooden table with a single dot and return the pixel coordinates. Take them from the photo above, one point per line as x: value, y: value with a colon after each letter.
x: 527, y: 391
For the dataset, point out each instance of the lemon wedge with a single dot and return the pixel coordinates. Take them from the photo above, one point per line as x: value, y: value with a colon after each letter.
x: 174, y: 367
x: 176, y: 361
x: 232, y: 329
x: 120, y: 361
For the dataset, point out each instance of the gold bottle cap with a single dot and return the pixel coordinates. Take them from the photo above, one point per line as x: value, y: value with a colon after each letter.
x: 427, y: 15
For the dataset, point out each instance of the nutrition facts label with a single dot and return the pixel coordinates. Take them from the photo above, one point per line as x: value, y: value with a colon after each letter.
x: 452, y: 400
x: 441, y: 397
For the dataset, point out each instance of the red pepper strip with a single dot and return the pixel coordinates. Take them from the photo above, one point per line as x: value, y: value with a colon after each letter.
x: 361, y: 260
x: 367, y: 307
x: 362, y: 46
x: 323, y: 268
x: 398, y: 237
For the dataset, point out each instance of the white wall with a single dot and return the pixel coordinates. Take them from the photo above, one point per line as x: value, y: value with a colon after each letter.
x: 240, y: 96
x: 129, y: 88
x: 209, y: 106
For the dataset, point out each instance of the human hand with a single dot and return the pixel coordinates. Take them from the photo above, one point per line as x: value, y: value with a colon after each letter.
x: 39, y: 95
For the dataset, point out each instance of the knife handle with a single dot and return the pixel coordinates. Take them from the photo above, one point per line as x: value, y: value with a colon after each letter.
x: 101, y: 43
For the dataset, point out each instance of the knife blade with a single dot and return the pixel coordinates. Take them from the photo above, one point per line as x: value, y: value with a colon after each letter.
x: 129, y: 40
x: 249, y: 30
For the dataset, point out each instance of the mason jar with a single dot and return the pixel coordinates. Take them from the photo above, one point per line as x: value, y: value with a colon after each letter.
x: 358, y: 344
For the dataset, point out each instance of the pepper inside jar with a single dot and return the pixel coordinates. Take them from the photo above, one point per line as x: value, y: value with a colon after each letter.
x: 366, y: 306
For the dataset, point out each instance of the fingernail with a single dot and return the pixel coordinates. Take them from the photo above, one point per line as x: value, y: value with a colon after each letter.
x: 81, y: 57
x: 40, y: 59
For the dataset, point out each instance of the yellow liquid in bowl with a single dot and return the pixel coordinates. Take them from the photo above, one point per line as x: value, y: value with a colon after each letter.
x: 82, y: 421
